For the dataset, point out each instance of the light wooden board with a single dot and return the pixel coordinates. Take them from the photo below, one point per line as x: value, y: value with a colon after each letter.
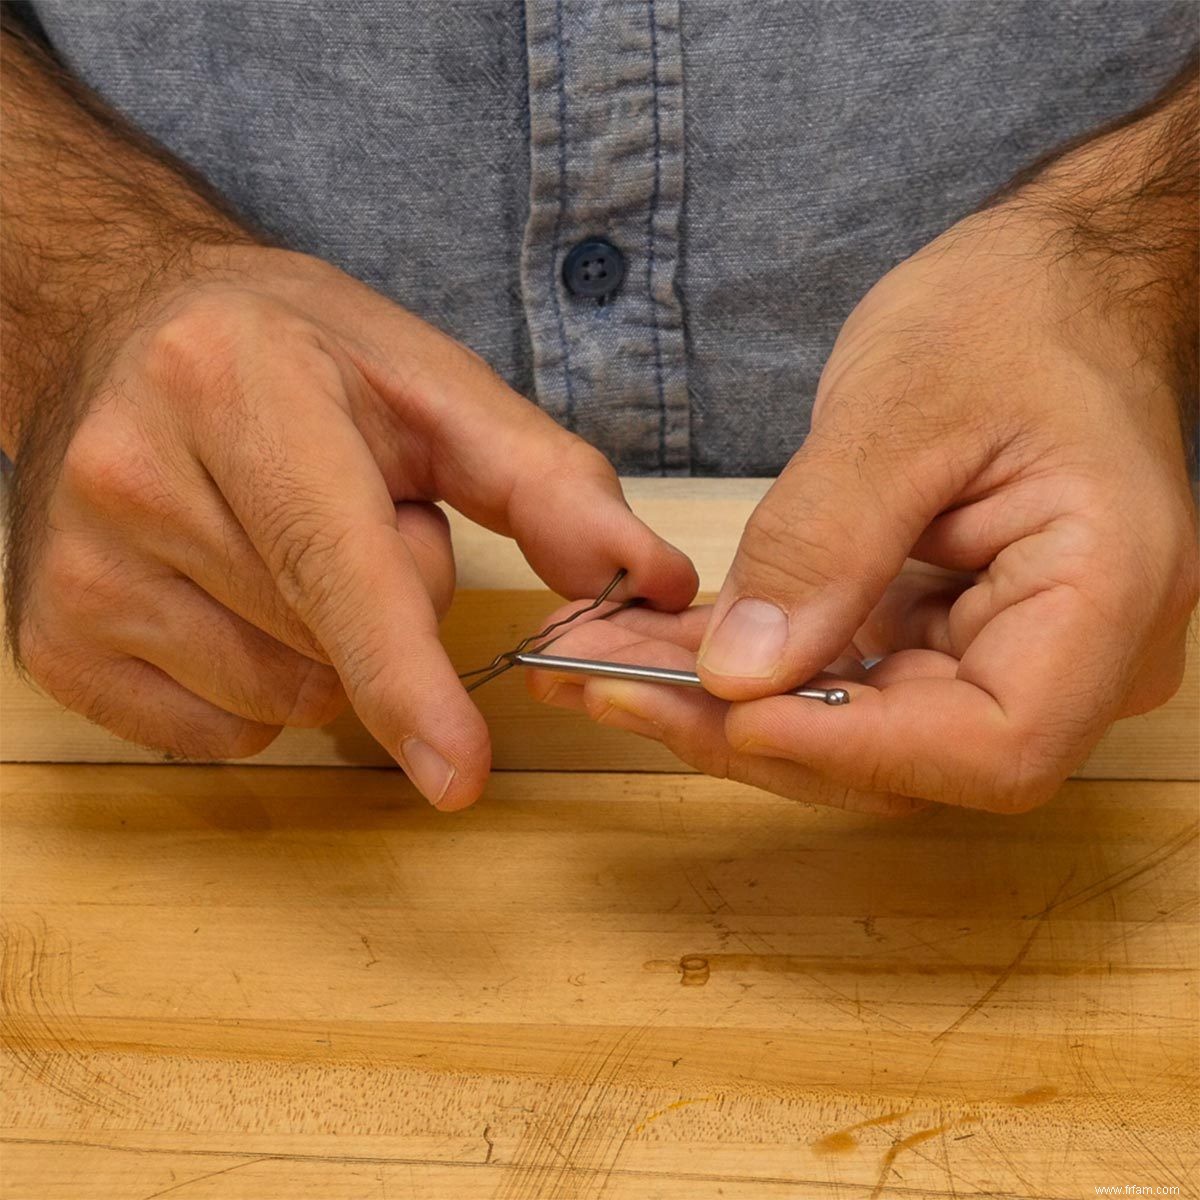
x: 244, y: 982
x: 500, y: 601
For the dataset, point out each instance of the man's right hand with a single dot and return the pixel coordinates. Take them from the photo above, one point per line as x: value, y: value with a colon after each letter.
x: 239, y: 530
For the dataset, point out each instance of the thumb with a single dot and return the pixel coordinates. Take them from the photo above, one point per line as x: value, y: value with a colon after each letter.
x: 816, y: 556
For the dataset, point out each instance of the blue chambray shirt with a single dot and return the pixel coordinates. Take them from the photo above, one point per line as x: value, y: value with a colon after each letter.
x: 759, y: 164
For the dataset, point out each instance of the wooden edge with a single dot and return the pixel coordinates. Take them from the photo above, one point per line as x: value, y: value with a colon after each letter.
x: 501, y: 600
x: 529, y: 736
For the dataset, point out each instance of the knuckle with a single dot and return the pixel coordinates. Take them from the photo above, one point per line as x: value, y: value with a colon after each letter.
x: 110, y: 474
x: 90, y: 683
x: 1026, y: 777
x: 68, y: 673
x: 220, y: 736
x: 570, y: 461
x: 316, y: 699
x: 76, y: 680
x: 202, y: 347
x: 302, y: 552
x: 238, y: 739
x: 182, y: 352
x: 364, y: 672
x: 583, y: 458
x: 60, y: 571
x: 81, y: 584
x: 779, y: 549
x: 203, y: 330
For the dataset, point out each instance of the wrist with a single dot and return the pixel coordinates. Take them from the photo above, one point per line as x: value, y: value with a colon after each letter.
x: 74, y: 305
x: 1116, y: 302
x: 96, y: 217
x: 1117, y: 213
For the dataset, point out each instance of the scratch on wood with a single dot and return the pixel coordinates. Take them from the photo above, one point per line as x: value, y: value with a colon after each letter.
x: 210, y: 1175
x: 643, y: 1176
x: 1008, y: 971
x: 907, y: 1143
x: 994, y: 987
x: 39, y: 1019
x: 589, y: 1123
x: 1117, y: 879
x: 371, y: 959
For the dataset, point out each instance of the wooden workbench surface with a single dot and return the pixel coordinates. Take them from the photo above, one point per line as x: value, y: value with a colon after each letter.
x: 285, y: 984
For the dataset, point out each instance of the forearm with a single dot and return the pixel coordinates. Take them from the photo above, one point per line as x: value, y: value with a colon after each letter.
x: 1124, y: 204
x: 93, y: 214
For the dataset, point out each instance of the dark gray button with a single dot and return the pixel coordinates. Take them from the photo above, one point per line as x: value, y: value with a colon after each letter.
x: 594, y: 268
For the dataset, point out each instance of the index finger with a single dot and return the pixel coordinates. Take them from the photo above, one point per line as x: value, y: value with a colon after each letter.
x: 310, y: 496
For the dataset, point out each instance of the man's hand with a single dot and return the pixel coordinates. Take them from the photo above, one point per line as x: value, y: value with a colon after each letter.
x: 241, y: 523
x: 993, y: 501
x: 226, y: 461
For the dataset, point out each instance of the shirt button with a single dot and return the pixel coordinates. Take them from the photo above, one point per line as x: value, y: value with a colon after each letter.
x: 594, y: 269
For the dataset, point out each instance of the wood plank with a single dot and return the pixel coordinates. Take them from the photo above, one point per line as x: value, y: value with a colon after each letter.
x: 501, y: 600
x: 237, y: 981
x: 528, y: 736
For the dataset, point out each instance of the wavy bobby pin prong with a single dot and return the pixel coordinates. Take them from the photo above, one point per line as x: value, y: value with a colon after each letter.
x: 507, y: 659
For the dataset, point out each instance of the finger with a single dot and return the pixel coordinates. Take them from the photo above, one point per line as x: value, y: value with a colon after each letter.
x: 138, y: 703
x: 603, y: 638
x: 178, y: 519
x: 690, y: 723
x: 969, y: 536
x: 306, y: 489
x: 1146, y: 662
x: 819, y: 551
x: 505, y: 464
x: 1023, y: 709
x: 914, y: 612
x: 904, y: 665
x: 211, y: 652
x: 426, y: 531
x: 580, y: 640
x: 206, y: 543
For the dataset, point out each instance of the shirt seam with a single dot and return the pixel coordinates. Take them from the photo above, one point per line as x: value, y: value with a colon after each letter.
x: 558, y: 215
x: 655, y: 194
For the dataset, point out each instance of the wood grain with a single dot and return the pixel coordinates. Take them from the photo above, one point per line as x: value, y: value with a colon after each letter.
x: 276, y: 983
x: 500, y: 601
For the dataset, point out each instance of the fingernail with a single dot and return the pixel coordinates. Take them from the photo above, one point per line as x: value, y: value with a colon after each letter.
x: 432, y: 774
x: 748, y: 642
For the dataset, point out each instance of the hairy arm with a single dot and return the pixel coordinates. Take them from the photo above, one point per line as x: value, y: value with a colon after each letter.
x: 1123, y: 202
x: 93, y: 213
x: 992, y: 508
x: 223, y: 520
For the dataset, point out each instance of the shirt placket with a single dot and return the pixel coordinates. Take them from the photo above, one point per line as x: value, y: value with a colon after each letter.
x: 606, y: 169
